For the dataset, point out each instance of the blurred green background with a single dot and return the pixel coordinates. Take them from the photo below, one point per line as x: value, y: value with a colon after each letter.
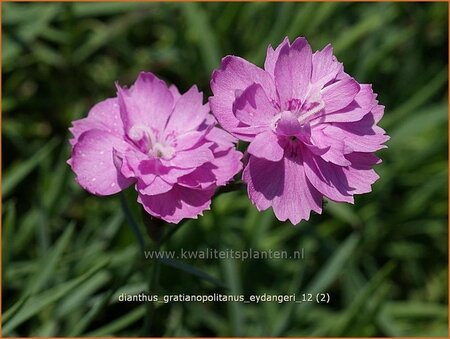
x: 67, y: 255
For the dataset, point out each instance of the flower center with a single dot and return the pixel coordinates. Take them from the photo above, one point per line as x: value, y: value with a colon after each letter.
x: 313, y: 104
x: 303, y: 111
x: 146, y: 140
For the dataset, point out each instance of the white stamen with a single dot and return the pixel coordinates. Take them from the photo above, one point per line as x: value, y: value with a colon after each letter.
x: 146, y: 139
x: 163, y: 151
x: 302, y: 118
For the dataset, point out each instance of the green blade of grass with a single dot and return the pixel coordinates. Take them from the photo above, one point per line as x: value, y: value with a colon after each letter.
x: 361, y: 300
x: 235, y: 310
x: 332, y: 268
x: 37, y: 303
x: 15, y: 175
x: 202, y: 34
x: 192, y: 270
x: 46, y: 267
x: 119, y: 324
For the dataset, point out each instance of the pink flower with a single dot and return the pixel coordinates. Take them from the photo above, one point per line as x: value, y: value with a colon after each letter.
x: 164, y: 142
x: 312, y: 128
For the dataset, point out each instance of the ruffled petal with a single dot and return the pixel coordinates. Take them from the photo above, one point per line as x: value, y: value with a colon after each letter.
x: 359, y: 136
x: 282, y: 185
x: 201, y: 178
x: 266, y: 146
x: 363, y: 103
x: 228, y: 82
x: 178, y: 203
x: 327, y: 178
x: 288, y: 125
x: 325, y: 67
x: 148, y: 102
x: 190, y: 139
x: 339, y: 94
x: 299, y: 197
x: 191, y: 158
x: 293, y: 71
x: 222, y: 139
x: 360, y: 174
x: 104, y: 116
x: 94, y: 165
x: 265, y: 181
x: 146, y: 168
x: 175, y: 92
x: 272, y: 57
x: 330, y: 149
x: 188, y: 113
x: 158, y: 186
x: 253, y: 107
x: 226, y: 165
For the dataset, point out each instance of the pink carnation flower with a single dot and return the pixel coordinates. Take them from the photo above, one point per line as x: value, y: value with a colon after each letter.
x: 164, y: 142
x: 312, y: 128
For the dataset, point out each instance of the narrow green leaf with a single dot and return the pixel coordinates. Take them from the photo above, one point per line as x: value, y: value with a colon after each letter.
x: 47, y: 265
x: 235, y: 309
x: 192, y: 270
x: 37, y: 303
x: 119, y: 324
x: 16, y: 174
x: 333, y: 267
x: 361, y: 300
x: 202, y: 34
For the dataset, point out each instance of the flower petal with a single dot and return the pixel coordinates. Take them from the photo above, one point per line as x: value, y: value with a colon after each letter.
x: 359, y: 136
x: 266, y: 146
x: 192, y: 158
x: 283, y: 186
x: 360, y: 174
x: 235, y: 75
x: 202, y: 177
x: 362, y: 104
x: 253, y: 107
x: 272, y: 57
x: 158, y: 186
x: 288, y: 124
x: 226, y: 165
x: 178, y: 203
x: 378, y: 112
x: 148, y: 102
x: 104, y: 116
x: 330, y: 149
x: 299, y: 197
x: 175, y: 92
x: 189, y: 111
x: 147, y: 168
x: 93, y: 162
x: 339, y: 94
x: 265, y: 180
x: 327, y: 178
x: 190, y: 139
x: 293, y: 71
x: 325, y: 67
x: 222, y: 139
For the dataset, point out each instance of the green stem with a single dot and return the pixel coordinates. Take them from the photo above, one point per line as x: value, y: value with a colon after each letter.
x: 154, y: 227
x: 131, y: 222
x: 153, y: 288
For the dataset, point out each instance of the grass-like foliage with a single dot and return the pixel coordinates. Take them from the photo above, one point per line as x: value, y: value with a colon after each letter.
x: 68, y: 255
